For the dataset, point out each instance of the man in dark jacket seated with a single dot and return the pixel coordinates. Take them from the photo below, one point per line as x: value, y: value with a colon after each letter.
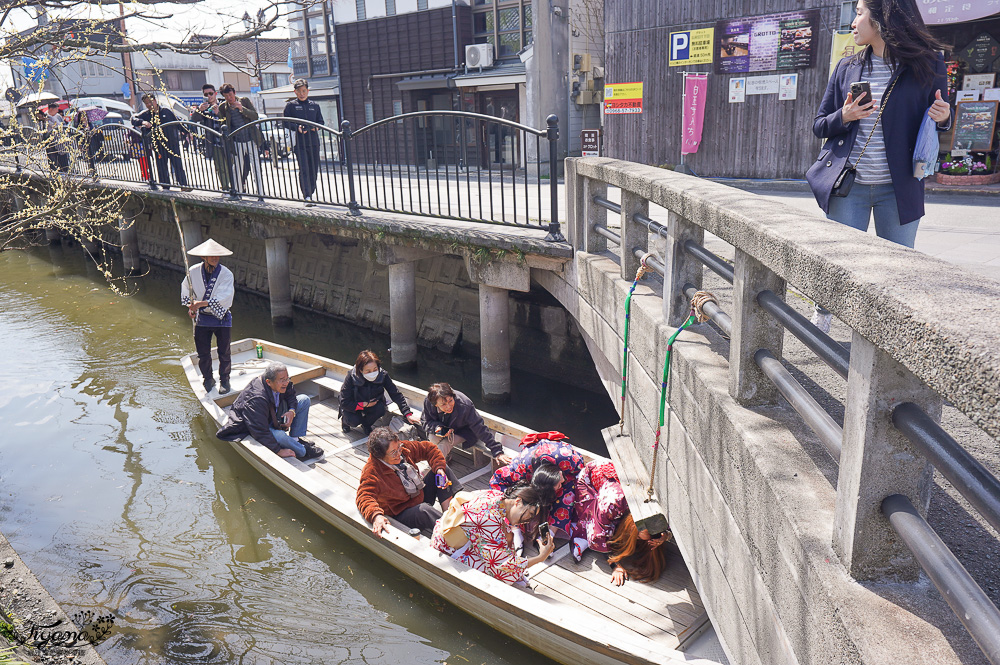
x: 268, y: 407
x: 450, y: 418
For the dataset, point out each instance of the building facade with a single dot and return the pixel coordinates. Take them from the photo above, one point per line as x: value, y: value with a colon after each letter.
x: 763, y: 90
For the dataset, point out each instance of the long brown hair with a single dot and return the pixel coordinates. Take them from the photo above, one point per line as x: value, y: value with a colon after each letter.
x: 907, y: 40
x: 643, y: 563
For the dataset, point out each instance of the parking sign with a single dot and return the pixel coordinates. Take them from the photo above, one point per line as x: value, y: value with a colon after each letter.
x: 691, y: 47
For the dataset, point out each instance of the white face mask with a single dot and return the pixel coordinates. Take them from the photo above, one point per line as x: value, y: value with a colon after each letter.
x: 371, y: 376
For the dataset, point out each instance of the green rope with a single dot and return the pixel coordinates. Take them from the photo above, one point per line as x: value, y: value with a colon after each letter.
x: 692, y: 319
x: 639, y: 274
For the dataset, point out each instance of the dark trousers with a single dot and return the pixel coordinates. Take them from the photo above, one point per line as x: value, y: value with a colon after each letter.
x: 308, y: 158
x: 366, y: 417
x: 424, y: 515
x: 203, y: 344
x: 166, y: 161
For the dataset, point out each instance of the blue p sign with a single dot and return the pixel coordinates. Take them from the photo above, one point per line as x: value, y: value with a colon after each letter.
x: 680, y: 45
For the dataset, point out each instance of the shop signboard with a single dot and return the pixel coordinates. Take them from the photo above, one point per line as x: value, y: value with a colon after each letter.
x: 955, y: 11
x: 590, y: 142
x: 622, y: 98
x: 695, y: 95
x: 978, y: 81
x: 981, y: 52
x: 767, y: 43
x: 843, y: 46
x: 692, y: 47
x: 974, y: 126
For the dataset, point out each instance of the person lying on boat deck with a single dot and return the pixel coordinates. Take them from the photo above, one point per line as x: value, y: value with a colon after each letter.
x: 391, y: 484
x: 477, y: 530
x: 362, y: 395
x: 450, y: 418
x: 269, y: 410
x: 213, y: 288
x: 546, y: 448
x: 603, y: 523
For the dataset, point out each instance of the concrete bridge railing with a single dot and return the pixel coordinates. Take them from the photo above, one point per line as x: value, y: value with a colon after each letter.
x: 801, y: 538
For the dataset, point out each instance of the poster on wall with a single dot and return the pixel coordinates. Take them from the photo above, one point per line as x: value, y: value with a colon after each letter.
x: 762, y: 85
x: 981, y: 52
x: 695, y: 94
x: 788, y: 85
x: 692, y: 47
x: 622, y: 98
x: 767, y: 43
x: 974, y: 124
x: 737, y: 90
x: 954, y: 11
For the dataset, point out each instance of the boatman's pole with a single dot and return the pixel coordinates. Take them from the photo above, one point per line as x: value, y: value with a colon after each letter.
x: 184, y: 255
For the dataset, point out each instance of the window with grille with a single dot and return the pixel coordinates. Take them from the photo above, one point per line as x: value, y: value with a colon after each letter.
x: 397, y: 109
x: 390, y: 7
x: 421, y: 4
x: 369, y: 113
x: 360, y: 4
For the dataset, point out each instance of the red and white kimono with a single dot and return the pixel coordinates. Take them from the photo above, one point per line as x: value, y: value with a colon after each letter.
x: 485, y: 524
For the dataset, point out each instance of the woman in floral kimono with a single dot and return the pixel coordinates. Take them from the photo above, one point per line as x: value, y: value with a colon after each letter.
x: 542, y: 449
x: 603, y: 523
x: 477, y: 530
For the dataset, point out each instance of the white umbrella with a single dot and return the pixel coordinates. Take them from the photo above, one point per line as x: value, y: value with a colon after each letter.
x: 37, y: 98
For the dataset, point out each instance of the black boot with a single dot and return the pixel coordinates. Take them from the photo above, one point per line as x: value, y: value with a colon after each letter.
x: 224, y: 385
x: 209, y: 383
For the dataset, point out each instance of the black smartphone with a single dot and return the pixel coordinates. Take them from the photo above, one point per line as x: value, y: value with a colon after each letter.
x: 543, y: 531
x: 861, y: 92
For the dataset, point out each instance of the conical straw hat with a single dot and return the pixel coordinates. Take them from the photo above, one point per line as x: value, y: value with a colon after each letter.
x: 210, y: 248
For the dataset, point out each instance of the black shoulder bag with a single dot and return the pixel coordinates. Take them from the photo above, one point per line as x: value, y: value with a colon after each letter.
x: 842, y: 185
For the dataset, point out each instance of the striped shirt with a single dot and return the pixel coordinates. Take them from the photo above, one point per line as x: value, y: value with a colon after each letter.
x: 873, y: 169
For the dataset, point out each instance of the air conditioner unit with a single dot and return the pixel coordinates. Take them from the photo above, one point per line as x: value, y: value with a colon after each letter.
x: 479, y: 55
x: 598, y: 72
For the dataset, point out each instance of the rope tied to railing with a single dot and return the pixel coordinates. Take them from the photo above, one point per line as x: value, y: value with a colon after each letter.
x: 702, y: 298
x: 639, y: 274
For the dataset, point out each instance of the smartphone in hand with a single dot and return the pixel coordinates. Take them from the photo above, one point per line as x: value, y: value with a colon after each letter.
x: 861, y: 92
x: 543, y: 531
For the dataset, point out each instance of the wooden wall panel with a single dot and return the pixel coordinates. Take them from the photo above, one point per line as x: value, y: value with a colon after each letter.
x: 760, y: 138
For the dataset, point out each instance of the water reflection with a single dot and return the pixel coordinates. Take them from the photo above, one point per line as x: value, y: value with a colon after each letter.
x: 118, y: 495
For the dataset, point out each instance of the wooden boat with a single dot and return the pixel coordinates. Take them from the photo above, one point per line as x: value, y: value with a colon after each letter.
x: 571, y: 613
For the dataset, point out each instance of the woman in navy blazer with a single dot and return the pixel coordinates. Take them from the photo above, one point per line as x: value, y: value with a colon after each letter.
x: 893, y: 31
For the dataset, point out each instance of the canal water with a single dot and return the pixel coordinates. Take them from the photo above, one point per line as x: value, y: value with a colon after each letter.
x: 117, y: 494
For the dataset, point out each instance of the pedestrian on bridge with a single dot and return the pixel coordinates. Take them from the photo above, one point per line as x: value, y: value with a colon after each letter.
x: 207, y: 114
x: 164, y: 141
x: 235, y: 115
x: 871, y: 137
x: 306, y: 137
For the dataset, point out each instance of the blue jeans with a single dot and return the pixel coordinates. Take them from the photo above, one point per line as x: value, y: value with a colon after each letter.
x: 299, y: 425
x: 855, y: 210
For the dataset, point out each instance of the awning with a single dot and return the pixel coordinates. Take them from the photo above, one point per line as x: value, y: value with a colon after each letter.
x: 425, y: 82
x: 504, y: 74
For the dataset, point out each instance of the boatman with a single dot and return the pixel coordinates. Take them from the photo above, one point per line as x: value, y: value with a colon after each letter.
x: 214, y: 288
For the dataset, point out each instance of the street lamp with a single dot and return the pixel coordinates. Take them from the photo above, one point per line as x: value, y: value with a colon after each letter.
x: 249, y: 24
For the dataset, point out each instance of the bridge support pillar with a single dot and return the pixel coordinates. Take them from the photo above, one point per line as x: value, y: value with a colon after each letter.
x: 634, y: 235
x: 877, y: 461
x: 681, y: 268
x: 402, y: 300
x: 403, y: 314
x: 753, y: 329
x: 93, y: 247
x: 494, y: 335
x: 52, y: 236
x: 129, y: 238
x: 279, y: 280
x: 192, y: 233
x: 495, y: 280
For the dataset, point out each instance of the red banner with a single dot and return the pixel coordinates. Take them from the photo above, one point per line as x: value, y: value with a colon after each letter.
x: 695, y: 94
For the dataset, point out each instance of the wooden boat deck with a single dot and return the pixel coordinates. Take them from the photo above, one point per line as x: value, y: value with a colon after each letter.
x: 668, y: 613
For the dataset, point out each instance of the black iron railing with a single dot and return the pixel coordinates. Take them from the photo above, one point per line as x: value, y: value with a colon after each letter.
x: 446, y: 164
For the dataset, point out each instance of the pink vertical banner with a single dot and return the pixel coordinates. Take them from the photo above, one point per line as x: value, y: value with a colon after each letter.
x: 695, y: 94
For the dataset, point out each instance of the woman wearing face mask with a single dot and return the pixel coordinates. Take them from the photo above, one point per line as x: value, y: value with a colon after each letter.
x: 876, y: 135
x: 362, y: 396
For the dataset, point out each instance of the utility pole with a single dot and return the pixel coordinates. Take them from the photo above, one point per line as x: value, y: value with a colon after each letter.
x: 127, y: 60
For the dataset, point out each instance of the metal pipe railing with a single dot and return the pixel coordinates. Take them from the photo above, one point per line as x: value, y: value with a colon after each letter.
x: 715, y: 263
x: 651, y: 261
x: 610, y: 235
x: 972, y: 480
x: 608, y: 205
x: 716, y: 313
x: 829, y: 351
x: 815, y: 416
x: 971, y: 605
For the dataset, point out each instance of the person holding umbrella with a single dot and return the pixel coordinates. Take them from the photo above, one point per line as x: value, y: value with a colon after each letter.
x: 212, y: 287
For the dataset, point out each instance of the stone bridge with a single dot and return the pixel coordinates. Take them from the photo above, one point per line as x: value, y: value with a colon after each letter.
x: 796, y: 470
